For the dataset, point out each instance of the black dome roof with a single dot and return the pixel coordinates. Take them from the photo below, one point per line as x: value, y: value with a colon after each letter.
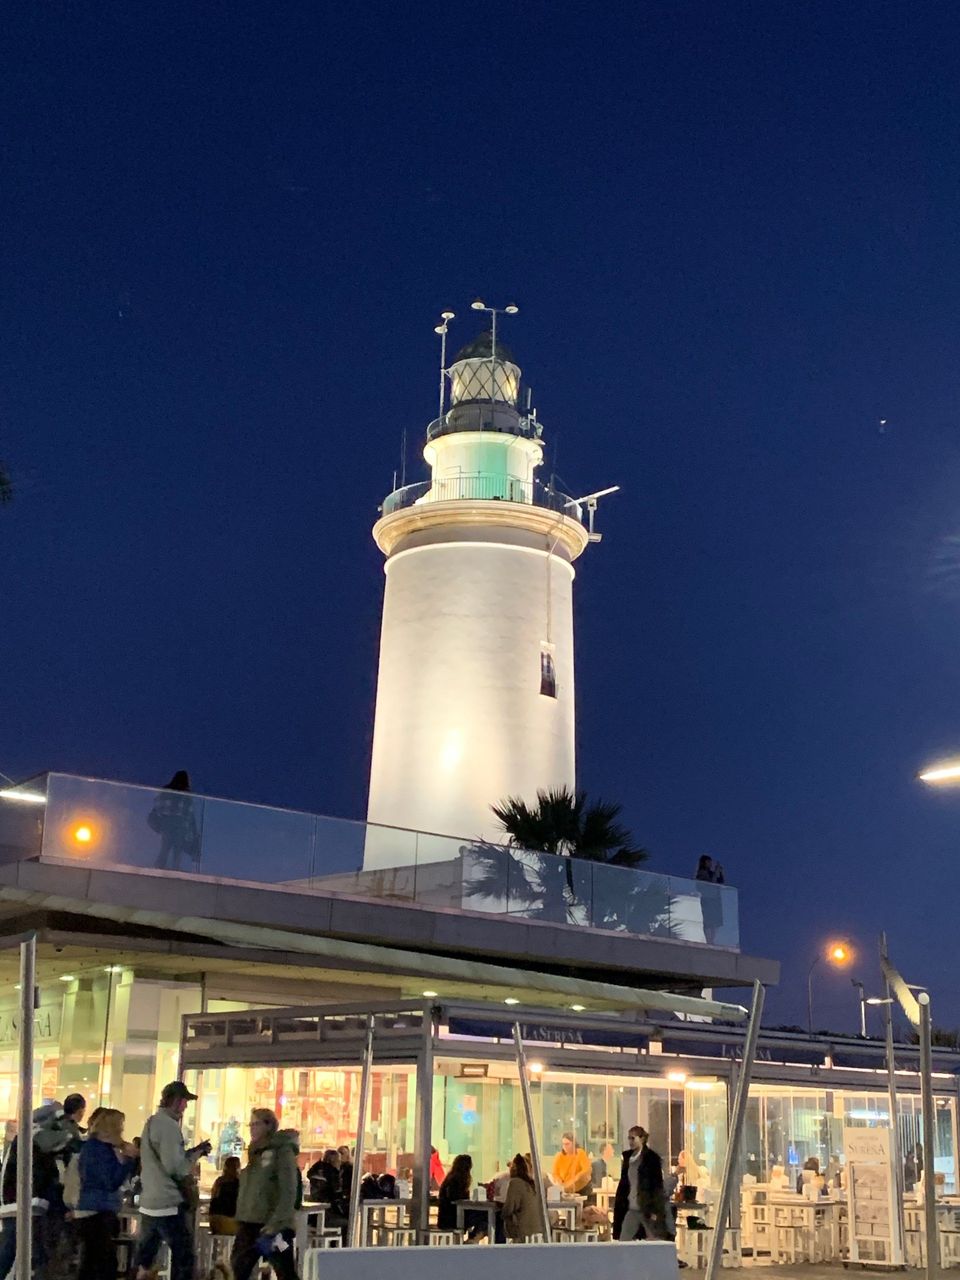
x: 481, y: 347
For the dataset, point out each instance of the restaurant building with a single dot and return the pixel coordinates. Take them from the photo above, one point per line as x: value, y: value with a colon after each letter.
x: 254, y: 966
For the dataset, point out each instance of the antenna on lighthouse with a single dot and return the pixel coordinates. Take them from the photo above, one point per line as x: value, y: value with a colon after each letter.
x: 590, y: 501
x: 445, y: 317
x: 510, y: 309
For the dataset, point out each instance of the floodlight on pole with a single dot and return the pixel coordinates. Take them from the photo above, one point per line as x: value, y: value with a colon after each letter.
x: 446, y: 317
x: 510, y: 309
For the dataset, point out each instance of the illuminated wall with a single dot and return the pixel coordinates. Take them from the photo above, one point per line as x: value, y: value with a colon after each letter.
x: 461, y: 721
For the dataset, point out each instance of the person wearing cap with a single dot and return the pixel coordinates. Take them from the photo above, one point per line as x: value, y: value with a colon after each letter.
x: 168, y: 1187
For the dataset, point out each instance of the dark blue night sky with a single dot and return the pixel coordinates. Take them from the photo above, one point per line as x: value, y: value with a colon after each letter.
x: 732, y: 230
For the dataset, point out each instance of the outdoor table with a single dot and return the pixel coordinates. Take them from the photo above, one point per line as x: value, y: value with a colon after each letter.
x: 373, y: 1216
x: 489, y: 1207
x: 568, y: 1211
x: 817, y: 1221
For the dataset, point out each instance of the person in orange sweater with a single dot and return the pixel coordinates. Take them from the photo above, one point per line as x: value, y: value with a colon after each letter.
x: 571, y: 1167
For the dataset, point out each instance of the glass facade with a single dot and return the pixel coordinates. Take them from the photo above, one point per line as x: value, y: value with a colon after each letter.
x: 105, y: 824
x: 322, y: 1104
x: 477, y: 1110
x: 114, y: 1037
x: 786, y: 1125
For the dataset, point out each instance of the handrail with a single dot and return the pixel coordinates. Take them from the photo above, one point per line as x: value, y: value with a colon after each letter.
x: 483, y: 486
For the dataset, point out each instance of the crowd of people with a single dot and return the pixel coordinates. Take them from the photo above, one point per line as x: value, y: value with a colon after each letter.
x: 83, y: 1178
x: 644, y: 1208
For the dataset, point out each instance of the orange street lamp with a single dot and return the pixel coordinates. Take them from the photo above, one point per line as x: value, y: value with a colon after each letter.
x: 837, y: 953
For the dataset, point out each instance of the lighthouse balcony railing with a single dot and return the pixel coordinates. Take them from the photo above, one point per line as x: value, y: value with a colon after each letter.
x: 485, y: 487
x: 526, y: 426
x: 103, y: 825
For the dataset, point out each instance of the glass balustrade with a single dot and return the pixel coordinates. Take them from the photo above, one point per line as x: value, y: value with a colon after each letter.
x: 86, y: 821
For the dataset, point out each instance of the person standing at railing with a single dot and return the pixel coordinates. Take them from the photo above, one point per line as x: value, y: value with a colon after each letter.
x: 174, y: 820
x: 711, y: 900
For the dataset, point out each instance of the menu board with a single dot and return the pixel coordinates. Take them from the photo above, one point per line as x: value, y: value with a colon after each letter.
x: 871, y: 1195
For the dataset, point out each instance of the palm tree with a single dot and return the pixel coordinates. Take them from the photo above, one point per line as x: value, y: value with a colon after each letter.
x: 564, y: 822
x: 544, y: 876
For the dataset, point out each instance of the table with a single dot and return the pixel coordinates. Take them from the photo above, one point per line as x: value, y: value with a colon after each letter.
x: 377, y: 1210
x: 805, y: 1230
x: 568, y: 1210
x: 490, y: 1207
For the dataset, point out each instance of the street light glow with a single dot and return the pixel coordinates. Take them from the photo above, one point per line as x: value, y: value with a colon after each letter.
x: 839, y: 953
x: 942, y: 773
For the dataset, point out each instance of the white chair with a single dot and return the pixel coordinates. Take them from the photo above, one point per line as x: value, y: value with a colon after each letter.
x: 213, y: 1249
x: 400, y: 1236
x: 442, y: 1238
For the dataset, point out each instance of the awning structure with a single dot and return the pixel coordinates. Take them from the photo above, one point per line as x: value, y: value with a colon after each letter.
x: 470, y: 975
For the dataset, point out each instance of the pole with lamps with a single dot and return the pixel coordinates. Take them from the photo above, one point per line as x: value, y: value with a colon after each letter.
x: 837, y: 953
x: 510, y: 309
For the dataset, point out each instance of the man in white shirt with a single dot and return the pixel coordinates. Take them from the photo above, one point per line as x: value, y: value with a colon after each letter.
x: 166, y: 1208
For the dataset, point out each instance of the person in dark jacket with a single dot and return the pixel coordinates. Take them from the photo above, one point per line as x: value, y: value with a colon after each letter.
x: 456, y: 1186
x: 324, y: 1178
x: 346, y: 1171
x: 173, y: 818
x: 223, y: 1199
x: 106, y: 1162
x: 640, y: 1206
x: 50, y: 1139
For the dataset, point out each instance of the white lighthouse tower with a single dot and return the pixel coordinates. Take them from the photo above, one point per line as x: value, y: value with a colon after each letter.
x: 475, y: 696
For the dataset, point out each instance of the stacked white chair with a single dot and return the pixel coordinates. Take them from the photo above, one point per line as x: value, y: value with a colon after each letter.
x: 442, y: 1238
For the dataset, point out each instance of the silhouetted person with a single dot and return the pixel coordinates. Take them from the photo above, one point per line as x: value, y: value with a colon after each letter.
x: 711, y: 902
x: 172, y: 817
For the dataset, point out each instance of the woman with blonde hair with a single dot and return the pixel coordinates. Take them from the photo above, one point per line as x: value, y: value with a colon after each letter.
x: 106, y: 1161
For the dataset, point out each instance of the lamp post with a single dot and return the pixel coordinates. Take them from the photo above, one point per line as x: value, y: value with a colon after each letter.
x: 511, y: 309
x: 837, y: 953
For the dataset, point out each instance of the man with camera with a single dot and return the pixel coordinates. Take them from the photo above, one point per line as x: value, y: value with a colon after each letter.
x: 169, y: 1195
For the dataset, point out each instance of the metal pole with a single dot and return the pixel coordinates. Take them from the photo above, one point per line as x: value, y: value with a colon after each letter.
x: 732, y: 1157
x: 424, y: 1126
x: 531, y: 1131
x: 493, y: 355
x: 443, y: 367
x: 810, y: 995
x: 929, y: 1139
x: 353, y: 1224
x: 895, y: 1154
x: 863, y: 1007
x: 28, y: 977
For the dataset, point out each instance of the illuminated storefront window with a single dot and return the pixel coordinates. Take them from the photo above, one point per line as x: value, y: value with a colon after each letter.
x: 787, y: 1125
x: 482, y: 1116
x: 321, y: 1103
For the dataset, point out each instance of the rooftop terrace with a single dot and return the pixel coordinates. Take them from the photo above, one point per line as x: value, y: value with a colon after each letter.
x: 61, y: 818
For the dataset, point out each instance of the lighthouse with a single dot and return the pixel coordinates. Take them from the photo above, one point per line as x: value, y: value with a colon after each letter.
x: 475, y: 692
